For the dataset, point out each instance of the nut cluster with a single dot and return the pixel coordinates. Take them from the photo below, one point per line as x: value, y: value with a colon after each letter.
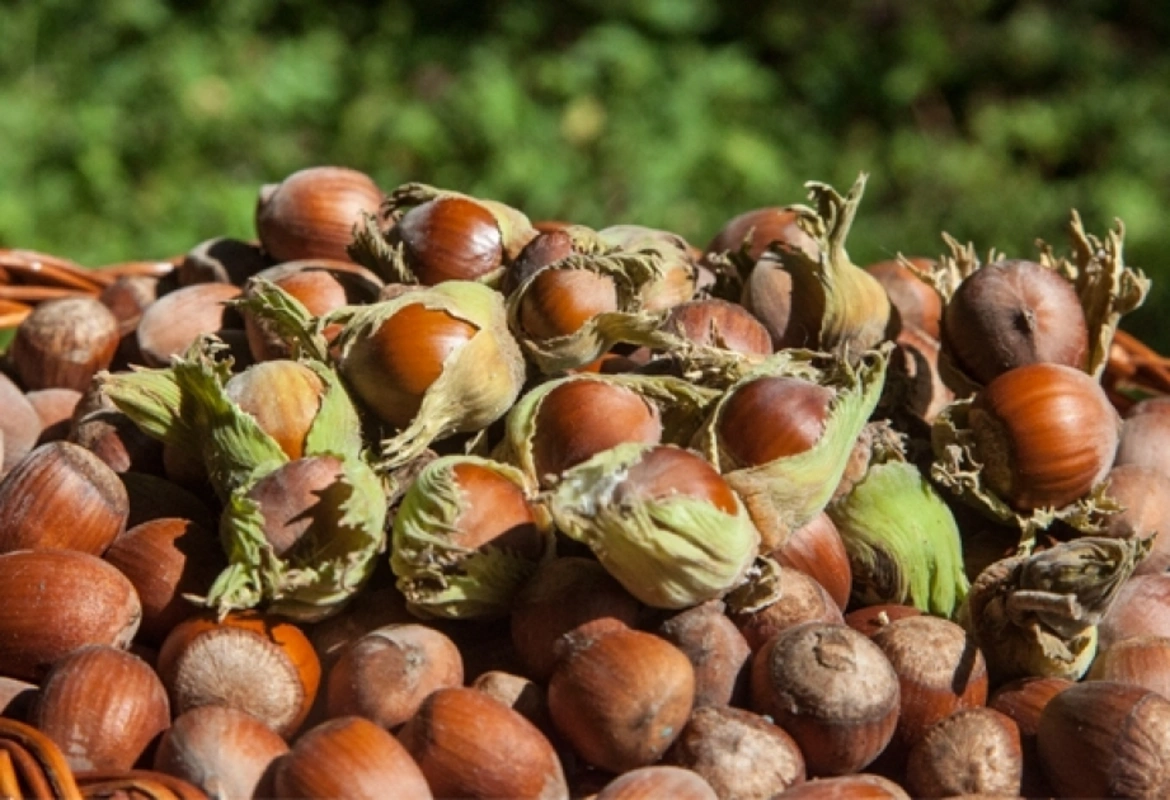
x: 415, y: 496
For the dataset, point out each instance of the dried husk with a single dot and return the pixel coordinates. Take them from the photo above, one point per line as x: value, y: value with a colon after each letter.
x: 787, y: 493
x: 437, y: 576
x: 840, y: 306
x: 1037, y: 615
x: 1106, y: 287
x: 672, y: 552
x: 678, y: 272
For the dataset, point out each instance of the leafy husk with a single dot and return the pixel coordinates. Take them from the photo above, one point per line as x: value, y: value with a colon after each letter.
x: 1037, y: 615
x: 681, y: 406
x: 787, y: 493
x: 903, y: 542
x: 672, y: 552
x: 437, y: 576
x: 840, y: 306
x: 376, y: 246
x: 186, y: 405
x: 286, y: 317
x: 315, y: 579
x: 957, y: 467
x: 630, y: 323
x: 479, y: 382
x: 677, y: 271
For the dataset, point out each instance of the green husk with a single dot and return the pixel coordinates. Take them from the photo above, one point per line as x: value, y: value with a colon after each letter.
x: 787, y: 493
x: 672, y: 552
x: 439, y: 577
x: 185, y: 405
x: 1037, y: 615
x: 681, y: 407
x: 315, y: 579
x: 479, y: 382
x: 630, y: 323
x: 903, y: 542
x: 958, y: 468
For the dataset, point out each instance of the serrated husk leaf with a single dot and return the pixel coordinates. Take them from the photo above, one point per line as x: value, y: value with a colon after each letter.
x: 957, y: 468
x: 903, y: 542
x: 681, y: 407
x: 630, y: 323
x: 677, y: 272
x: 151, y: 398
x: 286, y: 316
x: 310, y: 582
x: 672, y: 552
x: 439, y: 577
x: 787, y: 493
x: 371, y: 249
x: 480, y: 379
x: 840, y: 306
x: 1037, y: 615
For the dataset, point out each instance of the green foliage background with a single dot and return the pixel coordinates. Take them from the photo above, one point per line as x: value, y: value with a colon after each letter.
x: 136, y: 128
